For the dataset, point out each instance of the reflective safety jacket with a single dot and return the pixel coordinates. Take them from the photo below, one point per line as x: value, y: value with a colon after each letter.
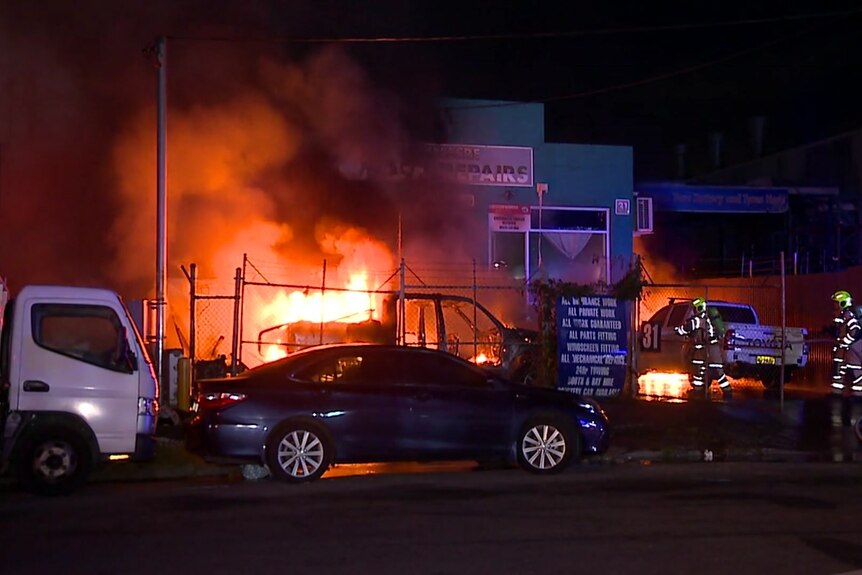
x: 849, y: 328
x: 700, y: 327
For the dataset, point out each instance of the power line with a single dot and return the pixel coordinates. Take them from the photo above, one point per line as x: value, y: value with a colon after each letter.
x: 523, y: 35
x: 653, y: 78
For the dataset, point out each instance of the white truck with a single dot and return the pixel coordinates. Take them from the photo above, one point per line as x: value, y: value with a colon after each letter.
x: 749, y: 348
x: 77, y: 387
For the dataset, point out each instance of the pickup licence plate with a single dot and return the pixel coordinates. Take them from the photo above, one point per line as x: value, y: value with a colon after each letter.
x: 765, y: 359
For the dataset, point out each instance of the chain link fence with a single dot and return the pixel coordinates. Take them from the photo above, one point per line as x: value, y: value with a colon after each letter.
x: 275, y: 310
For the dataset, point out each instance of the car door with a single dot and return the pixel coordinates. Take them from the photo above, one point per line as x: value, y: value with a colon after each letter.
x: 360, y: 401
x: 458, y: 411
x: 470, y: 332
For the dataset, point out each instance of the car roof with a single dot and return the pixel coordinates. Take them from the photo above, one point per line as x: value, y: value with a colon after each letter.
x: 327, y: 347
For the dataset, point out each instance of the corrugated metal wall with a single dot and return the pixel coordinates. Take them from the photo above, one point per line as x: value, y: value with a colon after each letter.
x: 808, y: 304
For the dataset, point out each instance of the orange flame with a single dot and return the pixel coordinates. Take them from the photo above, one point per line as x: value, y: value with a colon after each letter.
x: 352, y: 304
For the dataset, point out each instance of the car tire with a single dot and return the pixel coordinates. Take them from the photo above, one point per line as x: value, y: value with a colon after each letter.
x: 54, y: 462
x: 299, y: 452
x: 546, y: 445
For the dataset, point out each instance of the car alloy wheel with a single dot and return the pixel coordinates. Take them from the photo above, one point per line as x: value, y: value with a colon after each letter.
x: 298, y: 453
x: 544, y: 447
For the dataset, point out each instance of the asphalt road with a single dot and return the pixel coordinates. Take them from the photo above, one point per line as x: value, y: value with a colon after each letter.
x: 699, y: 518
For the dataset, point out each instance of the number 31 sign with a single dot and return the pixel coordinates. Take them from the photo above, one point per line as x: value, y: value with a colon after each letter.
x: 651, y: 337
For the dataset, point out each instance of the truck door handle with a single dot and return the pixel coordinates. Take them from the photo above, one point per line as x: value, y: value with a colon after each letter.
x: 31, y: 385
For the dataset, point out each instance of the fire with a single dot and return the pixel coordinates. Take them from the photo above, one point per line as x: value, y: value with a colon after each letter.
x: 483, y: 359
x: 662, y: 384
x: 342, y: 294
x: 353, y: 303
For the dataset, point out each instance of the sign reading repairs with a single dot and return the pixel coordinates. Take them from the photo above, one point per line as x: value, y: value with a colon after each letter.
x: 510, y: 166
x: 591, y: 342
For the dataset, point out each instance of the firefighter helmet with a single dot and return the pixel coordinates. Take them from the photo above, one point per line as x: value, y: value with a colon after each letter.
x: 699, y: 305
x: 843, y: 298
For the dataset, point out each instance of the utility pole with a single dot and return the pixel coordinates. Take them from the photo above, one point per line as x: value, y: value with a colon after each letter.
x: 161, y: 217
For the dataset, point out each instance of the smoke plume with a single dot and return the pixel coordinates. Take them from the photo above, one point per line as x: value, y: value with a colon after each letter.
x: 273, y: 150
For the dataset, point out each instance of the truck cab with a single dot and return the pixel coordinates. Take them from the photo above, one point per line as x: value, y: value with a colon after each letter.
x: 464, y: 327
x: 78, y: 387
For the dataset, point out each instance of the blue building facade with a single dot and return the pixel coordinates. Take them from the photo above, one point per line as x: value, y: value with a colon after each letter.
x: 555, y: 210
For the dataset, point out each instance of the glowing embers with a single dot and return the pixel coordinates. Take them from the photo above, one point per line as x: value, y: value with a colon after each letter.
x: 485, y: 359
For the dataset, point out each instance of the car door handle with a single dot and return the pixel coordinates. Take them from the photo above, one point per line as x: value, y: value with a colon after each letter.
x: 32, y: 385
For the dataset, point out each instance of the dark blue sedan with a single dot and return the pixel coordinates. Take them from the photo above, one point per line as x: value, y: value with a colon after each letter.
x: 374, y: 403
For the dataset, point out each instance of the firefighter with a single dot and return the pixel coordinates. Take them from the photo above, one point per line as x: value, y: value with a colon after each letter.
x: 847, y: 351
x: 706, y: 349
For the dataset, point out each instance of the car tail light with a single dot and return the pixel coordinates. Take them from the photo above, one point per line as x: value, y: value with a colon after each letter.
x: 728, y: 338
x: 218, y: 399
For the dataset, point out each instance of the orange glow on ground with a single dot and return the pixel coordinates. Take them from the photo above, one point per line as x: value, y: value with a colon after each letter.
x: 675, y: 385
x: 660, y: 384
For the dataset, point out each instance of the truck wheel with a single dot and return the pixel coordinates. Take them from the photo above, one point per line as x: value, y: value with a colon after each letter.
x: 771, y: 379
x: 54, y: 462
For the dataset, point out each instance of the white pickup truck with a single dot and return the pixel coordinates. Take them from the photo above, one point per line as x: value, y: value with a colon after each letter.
x: 750, y: 349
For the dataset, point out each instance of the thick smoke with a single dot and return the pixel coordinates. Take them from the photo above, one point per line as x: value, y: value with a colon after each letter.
x: 273, y: 151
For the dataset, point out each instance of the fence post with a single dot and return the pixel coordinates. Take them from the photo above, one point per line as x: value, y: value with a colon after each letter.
x: 783, y: 333
x: 475, y: 318
x: 635, y: 330
x: 235, y: 338
x: 322, y: 300
x: 193, y: 278
x: 402, y: 331
x: 241, y: 306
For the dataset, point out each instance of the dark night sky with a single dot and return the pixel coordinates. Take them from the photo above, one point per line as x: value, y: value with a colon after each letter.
x: 652, y: 74
x: 76, y: 108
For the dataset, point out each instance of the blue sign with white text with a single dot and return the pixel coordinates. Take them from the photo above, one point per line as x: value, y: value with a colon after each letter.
x: 673, y: 197
x: 591, y: 345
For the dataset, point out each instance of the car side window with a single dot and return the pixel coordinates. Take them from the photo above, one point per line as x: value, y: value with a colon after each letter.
x: 734, y: 314
x: 89, y: 333
x: 677, y: 315
x: 332, y: 369
x: 435, y: 369
x: 658, y: 317
x: 370, y: 368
